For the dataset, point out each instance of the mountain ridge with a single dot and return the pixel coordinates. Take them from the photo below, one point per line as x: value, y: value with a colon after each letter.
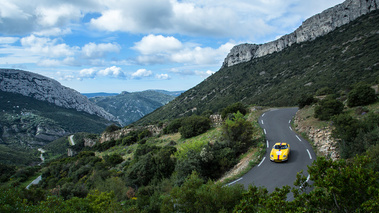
x: 128, y: 107
x: 312, y: 28
x: 336, y: 60
x: 46, y: 89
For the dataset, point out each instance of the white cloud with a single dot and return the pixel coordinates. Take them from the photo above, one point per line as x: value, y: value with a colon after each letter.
x: 204, y: 74
x: 87, y: 73
x: 191, y: 17
x: 202, y: 56
x: 153, y: 44
x: 92, y: 50
x: 162, y: 76
x: 57, y: 15
x: 157, y: 49
x: 46, y: 46
x: 134, y: 16
x: 142, y: 73
x: 112, y: 72
x: 49, y: 63
x: 8, y: 40
x: 54, y: 32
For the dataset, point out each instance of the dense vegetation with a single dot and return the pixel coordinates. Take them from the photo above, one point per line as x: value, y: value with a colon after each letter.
x: 335, y: 60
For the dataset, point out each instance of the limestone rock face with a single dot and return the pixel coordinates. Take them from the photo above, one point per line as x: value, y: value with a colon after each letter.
x: 241, y: 53
x: 315, y: 26
x: 46, y: 89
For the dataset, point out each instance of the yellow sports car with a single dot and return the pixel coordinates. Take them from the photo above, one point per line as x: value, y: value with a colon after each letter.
x: 280, y: 152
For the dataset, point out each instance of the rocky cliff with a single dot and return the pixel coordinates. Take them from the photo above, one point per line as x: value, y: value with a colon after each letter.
x: 316, y: 26
x: 46, y: 89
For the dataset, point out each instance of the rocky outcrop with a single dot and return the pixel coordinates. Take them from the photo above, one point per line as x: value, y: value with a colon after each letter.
x: 49, y: 132
x: 88, y: 142
x: 321, y: 138
x: 46, y: 89
x: 315, y: 26
x: 119, y: 134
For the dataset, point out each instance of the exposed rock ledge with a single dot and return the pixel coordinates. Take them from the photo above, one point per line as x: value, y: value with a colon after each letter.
x: 315, y: 26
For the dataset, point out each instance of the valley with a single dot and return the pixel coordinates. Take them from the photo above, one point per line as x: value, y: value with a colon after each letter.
x: 207, y: 149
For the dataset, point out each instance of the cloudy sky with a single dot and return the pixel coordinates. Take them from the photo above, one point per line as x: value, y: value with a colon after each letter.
x: 135, y: 45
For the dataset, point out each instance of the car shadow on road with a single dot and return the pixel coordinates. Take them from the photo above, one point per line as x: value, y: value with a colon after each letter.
x: 293, y: 156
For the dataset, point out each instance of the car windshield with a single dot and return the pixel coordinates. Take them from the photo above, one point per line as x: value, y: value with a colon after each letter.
x: 280, y: 147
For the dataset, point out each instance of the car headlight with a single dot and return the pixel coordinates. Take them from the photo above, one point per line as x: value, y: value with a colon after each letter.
x: 284, y: 156
x: 272, y: 156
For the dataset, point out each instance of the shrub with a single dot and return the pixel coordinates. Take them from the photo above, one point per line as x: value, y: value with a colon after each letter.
x: 327, y: 108
x: 238, y: 133
x: 144, y: 134
x: 173, y: 126
x: 113, y: 159
x: 234, y: 108
x: 362, y: 94
x: 194, y: 125
x: 305, y: 100
x: 324, y: 91
x: 128, y: 140
x: 112, y: 128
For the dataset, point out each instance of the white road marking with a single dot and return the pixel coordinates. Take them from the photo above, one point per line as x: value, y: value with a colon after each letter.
x: 298, y: 138
x: 261, y: 162
x: 309, y: 176
x: 265, y: 131
x: 262, y: 122
x: 289, y: 121
x: 234, y: 182
x: 263, y: 114
x: 268, y: 145
x: 290, y: 128
x: 310, y: 156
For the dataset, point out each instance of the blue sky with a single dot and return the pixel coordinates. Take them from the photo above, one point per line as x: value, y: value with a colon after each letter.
x: 135, y: 45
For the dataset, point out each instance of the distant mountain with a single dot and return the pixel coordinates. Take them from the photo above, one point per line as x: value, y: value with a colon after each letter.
x: 27, y: 124
x: 172, y: 93
x: 104, y: 94
x: 129, y: 107
x: 98, y: 94
x: 35, y: 110
x: 337, y: 60
x: 46, y: 89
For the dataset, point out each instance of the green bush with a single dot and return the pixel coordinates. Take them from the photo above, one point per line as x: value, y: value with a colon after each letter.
x: 305, y: 100
x: 324, y: 91
x: 362, y: 94
x: 113, y: 159
x: 112, y: 128
x: 238, y: 133
x: 327, y: 108
x: 234, y: 108
x: 194, y: 125
x: 173, y: 126
x: 196, y: 196
x: 356, y: 136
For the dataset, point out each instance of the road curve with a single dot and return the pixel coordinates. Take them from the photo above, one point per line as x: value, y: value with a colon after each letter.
x: 276, y: 124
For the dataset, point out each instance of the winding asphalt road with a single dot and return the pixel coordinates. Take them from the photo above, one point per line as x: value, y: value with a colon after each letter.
x: 276, y: 124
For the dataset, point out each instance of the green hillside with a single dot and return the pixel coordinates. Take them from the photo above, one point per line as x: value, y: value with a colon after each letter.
x: 21, y: 121
x: 341, y: 58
